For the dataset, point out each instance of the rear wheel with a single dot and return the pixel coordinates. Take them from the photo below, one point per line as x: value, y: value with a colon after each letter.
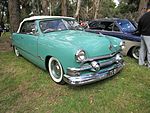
x: 55, y: 70
x: 135, y: 52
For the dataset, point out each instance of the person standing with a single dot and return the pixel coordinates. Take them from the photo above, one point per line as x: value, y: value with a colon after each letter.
x: 144, y: 30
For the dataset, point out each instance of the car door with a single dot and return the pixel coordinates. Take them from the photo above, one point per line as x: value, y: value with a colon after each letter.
x: 94, y: 27
x: 112, y: 29
x: 28, y: 38
x: 117, y: 32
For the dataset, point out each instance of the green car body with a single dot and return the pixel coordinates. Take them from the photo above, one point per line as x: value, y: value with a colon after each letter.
x: 98, y: 58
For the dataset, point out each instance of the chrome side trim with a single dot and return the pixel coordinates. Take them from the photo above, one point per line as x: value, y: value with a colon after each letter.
x: 41, y: 58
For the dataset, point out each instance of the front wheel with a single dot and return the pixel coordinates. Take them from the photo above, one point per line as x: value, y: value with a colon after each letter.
x: 16, y: 51
x: 55, y: 70
x: 135, y: 52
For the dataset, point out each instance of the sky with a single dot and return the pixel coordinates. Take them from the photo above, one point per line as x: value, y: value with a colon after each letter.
x: 117, y: 2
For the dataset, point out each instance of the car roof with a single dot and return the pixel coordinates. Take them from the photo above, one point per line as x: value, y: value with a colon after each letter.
x: 46, y: 17
x: 107, y: 19
x: 42, y: 17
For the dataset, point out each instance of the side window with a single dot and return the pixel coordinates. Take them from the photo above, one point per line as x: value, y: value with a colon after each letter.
x: 108, y: 26
x: 27, y: 27
x: 102, y: 26
x: 116, y: 28
x: 52, y: 25
x: 93, y: 25
x: 98, y: 25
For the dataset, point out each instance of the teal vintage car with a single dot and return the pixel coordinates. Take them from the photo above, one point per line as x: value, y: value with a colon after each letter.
x: 71, y: 55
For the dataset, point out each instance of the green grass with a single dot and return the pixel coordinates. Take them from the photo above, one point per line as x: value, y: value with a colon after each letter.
x: 25, y: 88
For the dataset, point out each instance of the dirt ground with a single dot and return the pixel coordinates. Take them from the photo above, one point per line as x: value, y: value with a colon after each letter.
x: 5, y: 44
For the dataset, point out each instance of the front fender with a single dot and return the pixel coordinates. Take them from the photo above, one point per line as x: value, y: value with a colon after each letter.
x: 65, y: 53
x: 128, y: 45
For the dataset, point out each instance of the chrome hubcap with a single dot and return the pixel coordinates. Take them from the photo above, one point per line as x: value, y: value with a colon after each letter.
x: 136, y: 52
x: 16, y: 51
x: 56, y: 69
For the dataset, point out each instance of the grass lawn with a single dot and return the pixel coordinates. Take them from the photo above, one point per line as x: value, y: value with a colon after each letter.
x: 25, y: 88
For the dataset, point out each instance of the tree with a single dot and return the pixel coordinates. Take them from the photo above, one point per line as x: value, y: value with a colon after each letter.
x: 25, y: 9
x: 50, y: 7
x: 132, y: 8
x: 63, y: 7
x: 106, y: 9
x: 78, y: 8
x: 142, y: 7
x: 14, y: 14
x: 45, y: 6
x: 36, y: 7
x: 128, y: 9
x: 3, y: 10
x: 96, y: 7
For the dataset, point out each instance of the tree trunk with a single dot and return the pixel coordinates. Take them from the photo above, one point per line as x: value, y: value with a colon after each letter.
x: 45, y: 6
x: 2, y: 13
x: 142, y: 7
x: 36, y: 7
x: 63, y: 7
x: 50, y: 7
x: 78, y: 9
x: 14, y: 14
x: 96, y: 8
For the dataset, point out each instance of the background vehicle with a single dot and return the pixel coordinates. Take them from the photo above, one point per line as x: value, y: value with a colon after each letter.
x: 69, y: 54
x: 121, y: 28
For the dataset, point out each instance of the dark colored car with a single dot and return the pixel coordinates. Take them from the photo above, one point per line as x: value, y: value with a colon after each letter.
x: 121, y: 28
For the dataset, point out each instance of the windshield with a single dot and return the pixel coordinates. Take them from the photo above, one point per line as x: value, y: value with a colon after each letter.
x: 59, y: 25
x: 126, y: 26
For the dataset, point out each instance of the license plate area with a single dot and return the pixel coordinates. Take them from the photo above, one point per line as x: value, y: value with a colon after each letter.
x: 112, y: 72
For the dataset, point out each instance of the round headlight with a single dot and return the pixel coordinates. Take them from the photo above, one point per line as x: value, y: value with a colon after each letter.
x: 122, y: 45
x: 80, y: 55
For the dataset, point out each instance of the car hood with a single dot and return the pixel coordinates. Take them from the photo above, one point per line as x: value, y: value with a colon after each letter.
x: 92, y: 44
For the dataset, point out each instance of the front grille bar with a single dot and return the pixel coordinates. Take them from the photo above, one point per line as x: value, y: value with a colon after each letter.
x: 99, y: 58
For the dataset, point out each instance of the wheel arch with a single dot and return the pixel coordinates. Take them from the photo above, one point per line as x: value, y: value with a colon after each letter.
x: 62, y: 82
x: 46, y: 61
x: 129, y: 45
x: 130, y: 50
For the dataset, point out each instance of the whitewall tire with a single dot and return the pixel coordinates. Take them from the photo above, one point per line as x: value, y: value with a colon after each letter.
x: 55, y: 70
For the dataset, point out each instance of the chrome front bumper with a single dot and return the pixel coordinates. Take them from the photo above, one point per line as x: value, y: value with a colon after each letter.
x: 91, y: 77
x: 86, y: 74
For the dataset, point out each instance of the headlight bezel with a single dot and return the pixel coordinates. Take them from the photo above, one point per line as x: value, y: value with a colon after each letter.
x: 80, y: 55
